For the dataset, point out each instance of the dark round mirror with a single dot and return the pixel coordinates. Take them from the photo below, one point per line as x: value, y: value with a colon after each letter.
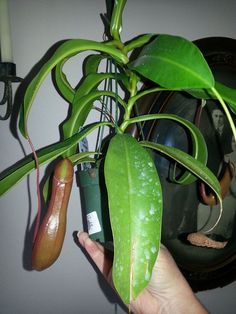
x: 184, y: 210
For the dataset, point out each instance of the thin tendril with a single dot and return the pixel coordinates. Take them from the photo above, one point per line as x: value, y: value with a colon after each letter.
x: 217, y: 221
x: 36, y: 228
x: 105, y: 113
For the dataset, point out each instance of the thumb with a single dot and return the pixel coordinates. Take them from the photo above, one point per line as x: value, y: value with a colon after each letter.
x: 97, y: 253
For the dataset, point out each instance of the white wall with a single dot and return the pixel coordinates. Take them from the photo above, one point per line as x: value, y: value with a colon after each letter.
x: 71, y: 285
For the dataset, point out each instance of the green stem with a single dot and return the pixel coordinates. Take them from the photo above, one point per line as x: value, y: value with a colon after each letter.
x: 127, y: 115
x: 132, y: 100
x: 116, y: 19
x: 133, y: 91
x: 149, y: 91
x: 137, y: 42
x: 226, y: 110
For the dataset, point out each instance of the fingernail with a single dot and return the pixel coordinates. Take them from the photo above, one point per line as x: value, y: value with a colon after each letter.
x: 78, y: 233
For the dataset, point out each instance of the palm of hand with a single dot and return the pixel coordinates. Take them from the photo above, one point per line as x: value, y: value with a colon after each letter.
x: 166, y: 290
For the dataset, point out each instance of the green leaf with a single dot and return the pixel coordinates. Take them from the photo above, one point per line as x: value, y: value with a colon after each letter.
x: 193, y: 165
x: 67, y: 92
x: 173, y: 62
x: 199, y: 148
x: 91, y: 63
x: 83, y: 158
x: 135, y: 208
x: 65, y: 51
x: 228, y: 94
x: 81, y: 108
x: 81, y: 103
x: 17, y: 172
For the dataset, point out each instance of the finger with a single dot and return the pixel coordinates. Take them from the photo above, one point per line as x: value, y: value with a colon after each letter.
x: 83, y: 237
x: 97, y: 253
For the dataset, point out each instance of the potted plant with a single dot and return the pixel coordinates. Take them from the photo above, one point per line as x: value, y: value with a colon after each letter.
x: 132, y: 182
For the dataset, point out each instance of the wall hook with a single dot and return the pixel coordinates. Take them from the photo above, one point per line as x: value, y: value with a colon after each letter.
x: 8, y: 76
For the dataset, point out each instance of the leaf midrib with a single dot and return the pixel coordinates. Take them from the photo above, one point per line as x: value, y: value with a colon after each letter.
x: 178, y: 65
x: 130, y: 217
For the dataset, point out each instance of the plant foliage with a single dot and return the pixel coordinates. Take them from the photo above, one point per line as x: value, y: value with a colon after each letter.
x: 135, y: 196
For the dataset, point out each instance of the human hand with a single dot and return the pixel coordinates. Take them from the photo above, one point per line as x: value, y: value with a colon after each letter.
x: 167, y: 291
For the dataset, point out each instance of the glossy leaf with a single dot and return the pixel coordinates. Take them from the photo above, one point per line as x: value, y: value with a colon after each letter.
x: 91, y: 63
x: 82, y: 110
x: 199, y: 148
x: 66, y: 90
x: 66, y: 50
x: 81, y: 103
x: 193, y: 165
x: 83, y: 157
x: 135, y: 208
x: 173, y: 62
x: 18, y: 171
x: 228, y: 94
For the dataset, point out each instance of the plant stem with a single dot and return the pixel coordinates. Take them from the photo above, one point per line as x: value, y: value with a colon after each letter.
x: 116, y: 19
x: 137, y: 42
x: 149, y: 91
x: 133, y: 92
x: 134, y: 96
x: 226, y: 110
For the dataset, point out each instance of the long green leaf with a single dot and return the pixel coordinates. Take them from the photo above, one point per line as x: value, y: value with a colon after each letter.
x: 83, y: 157
x: 173, y: 62
x: 66, y: 90
x: 228, y: 94
x: 80, y: 105
x: 82, y: 110
x: 18, y: 171
x: 193, y: 165
x: 199, y: 148
x: 91, y: 63
x: 135, y: 208
x: 66, y: 50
